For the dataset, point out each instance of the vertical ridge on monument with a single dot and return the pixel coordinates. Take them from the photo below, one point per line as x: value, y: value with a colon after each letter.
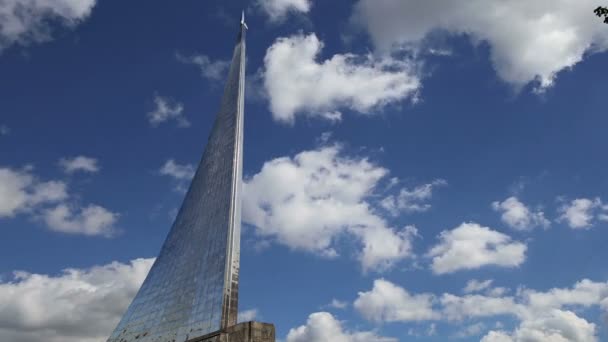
x: 191, y: 291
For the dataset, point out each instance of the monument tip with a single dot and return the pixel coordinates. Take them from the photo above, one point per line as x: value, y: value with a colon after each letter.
x: 243, y: 20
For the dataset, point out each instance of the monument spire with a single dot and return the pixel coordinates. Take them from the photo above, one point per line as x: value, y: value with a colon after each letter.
x: 192, y: 289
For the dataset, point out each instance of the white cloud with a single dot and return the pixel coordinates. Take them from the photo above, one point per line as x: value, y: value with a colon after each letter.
x: 48, y: 192
x: 248, y: 315
x: 411, y: 201
x: 91, y: 220
x: 181, y: 173
x: 580, y: 213
x: 528, y: 40
x: 584, y: 293
x: 212, y: 70
x: 166, y: 109
x: 387, y: 302
x: 323, y: 327
x: 383, y: 246
x: 296, y: 83
x: 497, y: 291
x: 516, y: 215
x: 20, y: 191
x: 471, y: 330
x: 527, y: 302
x: 308, y: 201
x: 471, y: 246
x: 458, y: 308
x: 338, y: 304
x: 79, y: 163
x: 25, y: 22
x: 542, y: 315
x: 475, y: 285
x: 177, y: 171
x: 4, y: 130
x: 554, y: 326
x: 78, y: 305
x: 277, y: 10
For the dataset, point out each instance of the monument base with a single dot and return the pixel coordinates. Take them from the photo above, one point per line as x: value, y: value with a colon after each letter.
x: 242, y: 332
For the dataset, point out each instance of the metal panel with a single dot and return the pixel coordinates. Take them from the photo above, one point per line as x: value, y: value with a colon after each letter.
x: 192, y: 288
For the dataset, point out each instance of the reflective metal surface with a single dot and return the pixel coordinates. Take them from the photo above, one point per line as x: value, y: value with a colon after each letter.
x: 192, y: 288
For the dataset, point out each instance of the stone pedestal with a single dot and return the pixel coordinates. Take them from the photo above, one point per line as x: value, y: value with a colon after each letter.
x: 242, y: 332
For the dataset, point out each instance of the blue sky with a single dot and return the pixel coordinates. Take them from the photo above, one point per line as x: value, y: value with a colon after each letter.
x: 422, y: 172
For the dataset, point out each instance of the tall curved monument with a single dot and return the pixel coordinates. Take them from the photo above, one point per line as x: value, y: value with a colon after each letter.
x: 191, y: 292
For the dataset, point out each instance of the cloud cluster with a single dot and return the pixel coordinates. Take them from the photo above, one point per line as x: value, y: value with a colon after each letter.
x: 471, y: 246
x: 542, y: 316
x: 555, y: 325
x: 387, y: 302
x: 308, y: 201
x: 92, y: 220
x: 518, y: 216
x: 529, y: 41
x: 296, y: 82
x: 22, y: 192
x: 78, y: 305
x: 323, y: 327
x: 167, y: 110
x: 581, y: 213
x: 25, y: 22
x: 277, y: 10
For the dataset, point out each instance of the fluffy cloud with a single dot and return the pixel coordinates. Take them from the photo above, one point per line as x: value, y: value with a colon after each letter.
x: 181, y: 174
x: 555, y: 326
x: 91, y: 220
x: 338, y: 304
x: 177, y: 171
x: 387, y: 302
x: 212, y: 70
x: 307, y: 201
x: 516, y: 215
x: 79, y: 163
x: 323, y: 327
x: 78, y: 305
x: 411, y: 201
x: 458, y: 308
x: 22, y: 192
x: 277, y: 10
x: 542, y: 316
x: 584, y: 293
x: 166, y: 110
x: 528, y: 40
x: 296, y: 82
x: 580, y: 213
x: 471, y: 246
x: 248, y: 315
x: 25, y: 22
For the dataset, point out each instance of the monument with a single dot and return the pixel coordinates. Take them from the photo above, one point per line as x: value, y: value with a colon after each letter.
x: 191, y: 292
